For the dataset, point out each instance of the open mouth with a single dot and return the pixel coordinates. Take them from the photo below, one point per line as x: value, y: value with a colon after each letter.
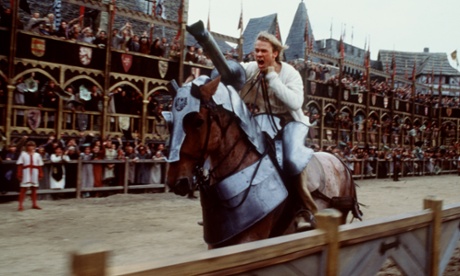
x: 260, y: 62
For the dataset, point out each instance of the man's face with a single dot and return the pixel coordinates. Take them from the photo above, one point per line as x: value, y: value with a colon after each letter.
x: 265, y: 56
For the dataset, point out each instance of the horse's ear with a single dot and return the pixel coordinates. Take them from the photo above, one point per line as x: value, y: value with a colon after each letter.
x: 208, y: 90
x: 173, y: 88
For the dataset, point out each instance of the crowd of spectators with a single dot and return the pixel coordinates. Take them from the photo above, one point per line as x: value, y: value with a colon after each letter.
x: 357, y: 83
x: 398, y: 161
x: 83, y: 29
x: 147, y: 166
x: 57, y: 152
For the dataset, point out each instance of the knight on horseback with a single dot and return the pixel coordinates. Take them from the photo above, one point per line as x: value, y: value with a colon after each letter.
x: 275, y: 88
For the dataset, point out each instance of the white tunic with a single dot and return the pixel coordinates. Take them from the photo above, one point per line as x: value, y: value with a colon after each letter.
x: 285, y: 91
x: 30, y: 168
x: 58, y: 184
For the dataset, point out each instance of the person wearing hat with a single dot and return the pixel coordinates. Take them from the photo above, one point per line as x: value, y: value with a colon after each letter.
x: 29, y: 171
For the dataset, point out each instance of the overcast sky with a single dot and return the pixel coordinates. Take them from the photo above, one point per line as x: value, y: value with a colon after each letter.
x: 402, y: 25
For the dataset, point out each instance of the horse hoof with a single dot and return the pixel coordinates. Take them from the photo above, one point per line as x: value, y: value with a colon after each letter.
x: 304, y: 226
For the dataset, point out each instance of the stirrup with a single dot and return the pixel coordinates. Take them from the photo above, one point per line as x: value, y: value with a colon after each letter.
x: 305, y: 220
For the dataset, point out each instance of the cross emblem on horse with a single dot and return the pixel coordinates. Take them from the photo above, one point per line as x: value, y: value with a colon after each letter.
x: 246, y: 194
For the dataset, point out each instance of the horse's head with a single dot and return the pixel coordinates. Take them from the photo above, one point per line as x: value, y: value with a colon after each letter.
x: 194, y: 134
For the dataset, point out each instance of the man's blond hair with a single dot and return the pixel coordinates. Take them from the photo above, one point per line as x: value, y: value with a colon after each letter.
x: 276, y: 44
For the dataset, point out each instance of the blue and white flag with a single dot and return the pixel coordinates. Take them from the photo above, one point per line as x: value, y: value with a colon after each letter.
x: 57, y: 13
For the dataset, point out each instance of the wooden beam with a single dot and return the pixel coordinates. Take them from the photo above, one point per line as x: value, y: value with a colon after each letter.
x: 329, y: 221
x: 435, y: 205
x: 93, y: 262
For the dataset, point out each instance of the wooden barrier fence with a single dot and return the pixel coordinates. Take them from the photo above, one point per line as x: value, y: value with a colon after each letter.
x: 122, y: 186
x: 409, y: 168
x: 420, y: 243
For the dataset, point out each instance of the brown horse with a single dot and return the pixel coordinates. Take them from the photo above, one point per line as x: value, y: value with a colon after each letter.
x: 210, y: 130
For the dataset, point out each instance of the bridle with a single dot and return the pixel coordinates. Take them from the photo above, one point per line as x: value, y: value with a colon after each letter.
x: 199, y: 171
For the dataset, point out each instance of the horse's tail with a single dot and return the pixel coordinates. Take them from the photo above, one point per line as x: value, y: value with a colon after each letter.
x: 354, y: 207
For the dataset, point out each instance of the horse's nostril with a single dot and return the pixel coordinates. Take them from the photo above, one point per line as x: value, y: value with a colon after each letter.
x: 182, y: 187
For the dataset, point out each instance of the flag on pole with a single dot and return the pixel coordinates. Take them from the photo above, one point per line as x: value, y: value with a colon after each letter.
x: 277, y: 30
x: 330, y: 29
x: 342, y: 48
x: 393, y: 66
x: 441, y: 79
x: 57, y: 13
x: 405, y: 69
x: 82, y: 14
x: 208, y: 26
x: 367, y: 62
x: 352, y: 29
x: 113, y: 12
x: 240, y: 21
x: 454, y: 57
x: 414, y: 70
x: 306, y: 36
x: 179, y: 16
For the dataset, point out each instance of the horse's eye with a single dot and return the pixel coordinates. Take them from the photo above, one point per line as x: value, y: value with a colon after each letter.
x: 193, y: 120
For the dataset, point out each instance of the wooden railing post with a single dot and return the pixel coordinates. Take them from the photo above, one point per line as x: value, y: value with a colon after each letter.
x: 126, y: 176
x: 435, y: 238
x: 79, y: 168
x: 89, y: 263
x: 329, y: 221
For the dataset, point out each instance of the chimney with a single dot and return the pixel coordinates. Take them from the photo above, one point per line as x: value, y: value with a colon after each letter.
x: 426, y: 50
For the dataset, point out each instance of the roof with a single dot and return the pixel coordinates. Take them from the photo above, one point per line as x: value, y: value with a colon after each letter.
x: 267, y: 23
x: 296, y: 36
x: 426, y: 63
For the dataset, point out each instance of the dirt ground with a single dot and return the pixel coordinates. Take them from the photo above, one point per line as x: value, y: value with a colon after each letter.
x: 142, y: 227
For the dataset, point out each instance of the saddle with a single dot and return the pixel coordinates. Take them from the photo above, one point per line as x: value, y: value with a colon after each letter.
x: 291, y: 152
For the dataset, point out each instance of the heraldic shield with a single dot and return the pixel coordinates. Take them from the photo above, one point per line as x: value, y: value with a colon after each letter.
x: 85, y: 54
x: 38, y: 46
x: 33, y: 118
x: 126, y: 61
x: 374, y: 99
x: 163, y: 68
x: 312, y: 87
x: 346, y: 94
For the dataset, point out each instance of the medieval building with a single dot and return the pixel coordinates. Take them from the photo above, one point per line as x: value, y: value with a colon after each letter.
x: 363, y: 100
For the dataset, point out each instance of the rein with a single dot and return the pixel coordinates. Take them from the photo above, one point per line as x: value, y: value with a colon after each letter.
x: 259, y: 80
x: 203, y: 179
